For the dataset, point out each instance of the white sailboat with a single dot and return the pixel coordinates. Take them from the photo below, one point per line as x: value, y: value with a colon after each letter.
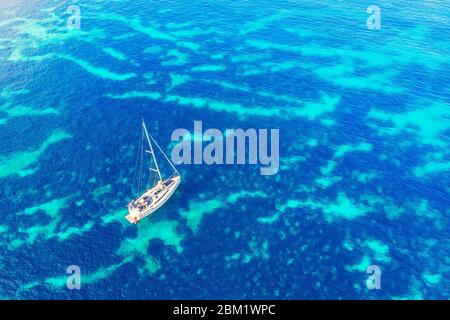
x: 159, y: 192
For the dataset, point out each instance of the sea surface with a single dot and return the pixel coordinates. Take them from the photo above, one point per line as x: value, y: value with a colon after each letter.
x: 364, y: 122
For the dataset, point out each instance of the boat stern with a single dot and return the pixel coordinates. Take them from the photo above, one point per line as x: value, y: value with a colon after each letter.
x: 131, y: 219
x: 133, y: 215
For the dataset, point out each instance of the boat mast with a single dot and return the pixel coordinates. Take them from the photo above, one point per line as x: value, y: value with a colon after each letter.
x: 168, y: 160
x: 151, y: 151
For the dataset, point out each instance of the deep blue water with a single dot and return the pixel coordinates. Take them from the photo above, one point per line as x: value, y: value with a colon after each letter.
x: 364, y: 120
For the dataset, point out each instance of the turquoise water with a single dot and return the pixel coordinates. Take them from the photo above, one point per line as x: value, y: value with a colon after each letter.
x: 364, y: 120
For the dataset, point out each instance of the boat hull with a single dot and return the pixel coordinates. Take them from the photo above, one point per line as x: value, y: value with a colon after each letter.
x: 159, y: 195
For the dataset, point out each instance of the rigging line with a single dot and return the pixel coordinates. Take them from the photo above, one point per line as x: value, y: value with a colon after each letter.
x: 133, y: 192
x: 142, y: 160
x: 170, y: 162
x: 151, y: 149
x: 149, y: 173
